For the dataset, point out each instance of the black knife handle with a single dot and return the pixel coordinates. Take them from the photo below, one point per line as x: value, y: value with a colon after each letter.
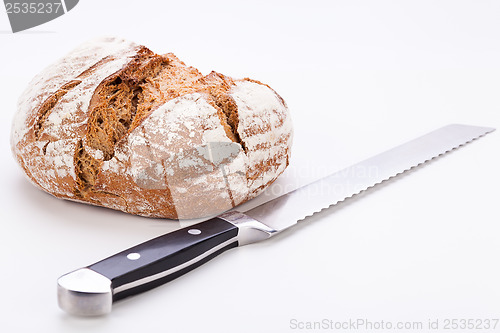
x: 167, y: 257
x: 91, y: 290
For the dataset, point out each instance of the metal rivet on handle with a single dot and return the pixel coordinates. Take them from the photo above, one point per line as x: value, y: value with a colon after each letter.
x: 194, y: 231
x: 133, y: 256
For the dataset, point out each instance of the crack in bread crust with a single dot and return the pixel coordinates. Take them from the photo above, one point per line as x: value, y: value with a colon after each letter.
x: 119, y: 102
x: 87, y: 169
x: 46, y: 107
x: 218, y: 86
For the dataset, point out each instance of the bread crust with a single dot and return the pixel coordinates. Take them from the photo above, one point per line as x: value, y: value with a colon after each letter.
x: 116, y: 125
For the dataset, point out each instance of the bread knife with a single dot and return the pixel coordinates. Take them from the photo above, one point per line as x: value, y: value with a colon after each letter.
x: 91, y: 290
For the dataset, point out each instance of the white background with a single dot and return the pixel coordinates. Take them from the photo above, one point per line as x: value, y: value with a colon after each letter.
x: 359, y: 77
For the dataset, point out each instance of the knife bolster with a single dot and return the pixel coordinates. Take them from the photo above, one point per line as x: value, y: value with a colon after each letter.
x: 249, y: 229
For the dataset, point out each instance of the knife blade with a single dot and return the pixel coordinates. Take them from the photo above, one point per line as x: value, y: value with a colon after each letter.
x: 92, y: 290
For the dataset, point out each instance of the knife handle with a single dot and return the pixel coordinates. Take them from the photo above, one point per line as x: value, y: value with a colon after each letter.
x: 93, y: 289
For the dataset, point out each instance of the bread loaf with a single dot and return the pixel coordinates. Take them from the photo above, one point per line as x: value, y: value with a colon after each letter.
x: 116, y: 125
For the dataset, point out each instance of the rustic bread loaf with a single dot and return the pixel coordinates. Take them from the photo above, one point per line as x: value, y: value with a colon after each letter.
x: 114, y: 124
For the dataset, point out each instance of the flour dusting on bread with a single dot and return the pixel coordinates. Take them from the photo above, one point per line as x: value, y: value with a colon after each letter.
x: 116, y: 125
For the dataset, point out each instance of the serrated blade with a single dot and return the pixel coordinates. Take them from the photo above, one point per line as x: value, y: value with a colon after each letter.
x: 288, y: 209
